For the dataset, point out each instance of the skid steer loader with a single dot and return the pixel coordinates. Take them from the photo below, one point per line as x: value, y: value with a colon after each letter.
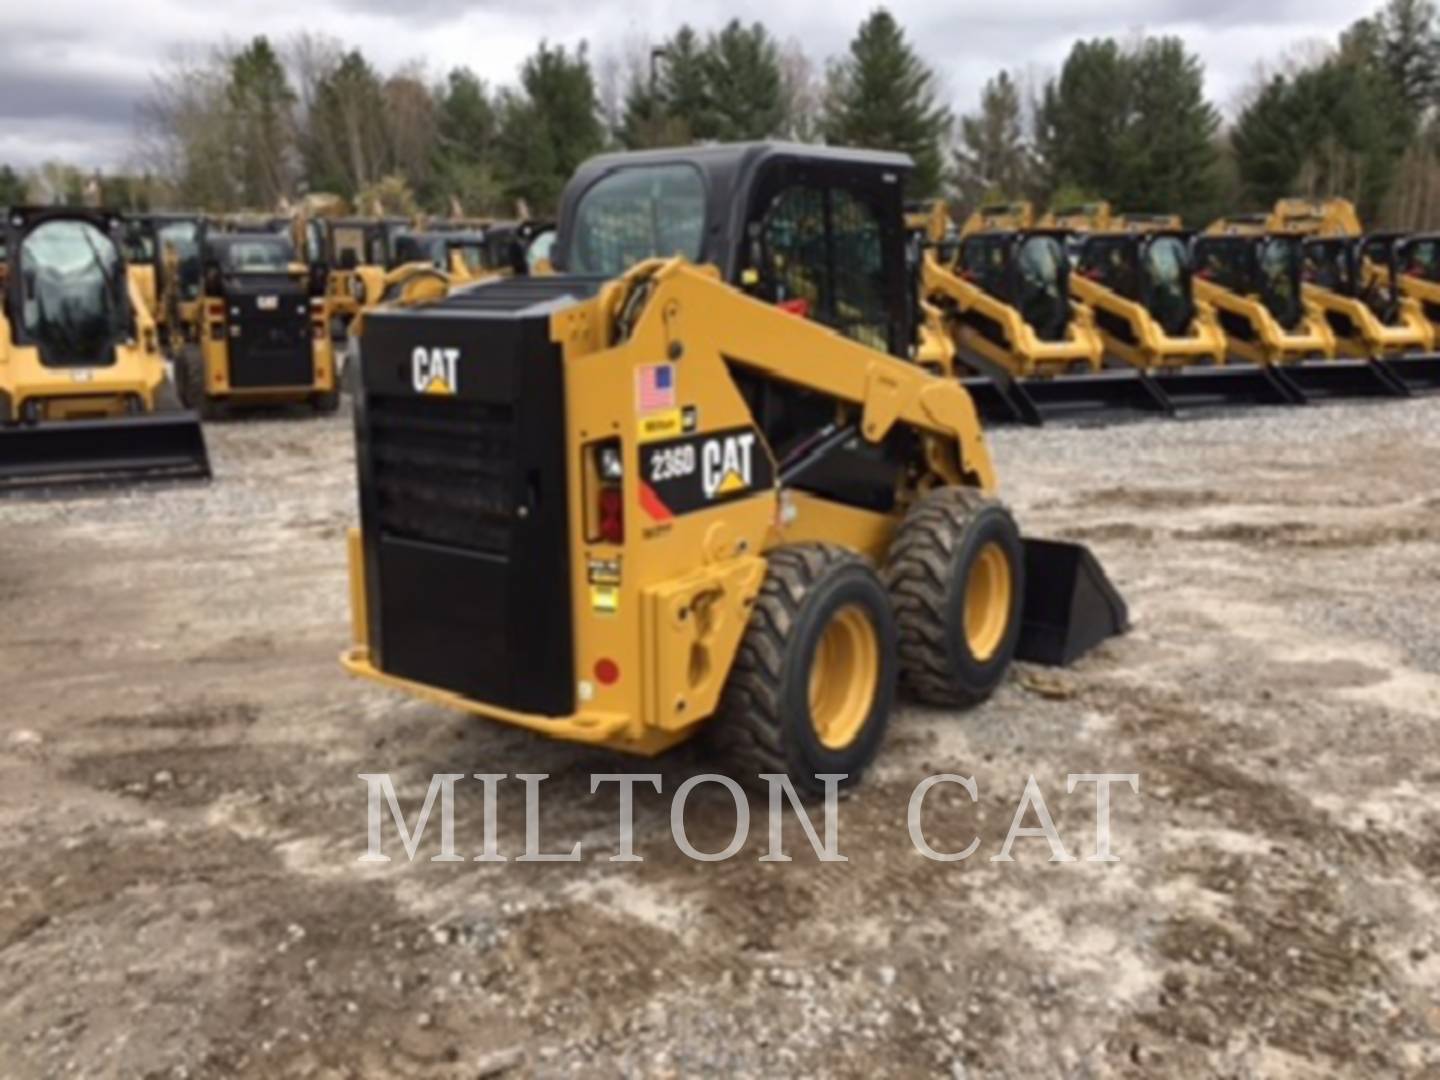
x: 1139, y: 284
x: 84, y: 392
x: 1251, y: 269
x: 1403, y: 272
x: 1005, y: 309
x: 693, y: 481
x: 165, y: 248
x: 262, y: 339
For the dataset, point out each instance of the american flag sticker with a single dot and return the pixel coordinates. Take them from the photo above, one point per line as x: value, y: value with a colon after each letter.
x: 655, y: 387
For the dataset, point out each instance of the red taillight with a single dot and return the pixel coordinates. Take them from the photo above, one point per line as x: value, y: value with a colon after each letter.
x: 612, y: 514
x: 215, y: 309
x: 799, y: 306
x: 607, y: 672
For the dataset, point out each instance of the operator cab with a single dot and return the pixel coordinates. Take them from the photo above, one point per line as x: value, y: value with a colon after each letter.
x: 67, y: 291
x: 1028, y: 271
x: 819, y: 231
x: 1151, y: 269
x: 1265, y: 266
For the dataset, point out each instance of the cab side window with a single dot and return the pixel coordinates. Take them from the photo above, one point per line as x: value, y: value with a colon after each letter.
x: 821, y: 248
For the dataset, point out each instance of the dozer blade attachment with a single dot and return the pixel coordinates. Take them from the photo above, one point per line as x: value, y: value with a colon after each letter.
x: 1236, y: 384
x: 131, y: 449
x: 1418, y: 374
x: 1070, y: 605
x: 1322, y: 379
x: 1104, y: 395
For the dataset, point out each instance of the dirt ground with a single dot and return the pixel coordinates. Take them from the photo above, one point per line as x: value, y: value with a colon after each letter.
x: 180, y: 813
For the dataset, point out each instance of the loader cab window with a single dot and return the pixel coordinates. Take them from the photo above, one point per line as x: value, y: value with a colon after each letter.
x: 183, y: 238
x: 1110, y: 260
x: 1041, y: 285
x: 1279, y: 262
x: 1327, y: 265
x: 72, y: 293
x: 819, y: 248
x: 1421, y: 258
x: 638, y: 213
x: 257, y: 255
x: 985, y: 259
x: 1167, y: 284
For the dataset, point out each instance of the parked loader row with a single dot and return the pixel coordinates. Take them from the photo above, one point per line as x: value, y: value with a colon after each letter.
x: 1085, y: 312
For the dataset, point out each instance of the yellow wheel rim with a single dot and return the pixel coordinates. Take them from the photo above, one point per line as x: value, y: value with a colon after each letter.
x: 988, y: 588
x: 843, y: 678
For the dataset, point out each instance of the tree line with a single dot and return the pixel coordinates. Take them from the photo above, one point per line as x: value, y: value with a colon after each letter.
x: 264, y: 124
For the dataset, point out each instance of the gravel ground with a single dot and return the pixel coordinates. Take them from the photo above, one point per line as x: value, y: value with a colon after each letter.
x: 180, y: 814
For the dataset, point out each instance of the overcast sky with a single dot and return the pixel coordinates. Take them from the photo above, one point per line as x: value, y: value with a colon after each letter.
x: 71, y: 71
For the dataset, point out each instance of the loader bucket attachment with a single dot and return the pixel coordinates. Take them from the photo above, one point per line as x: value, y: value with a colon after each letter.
x: 1105, y: 395
x: 1321, y: 379
x: 1002, y: 400
x: 1237, y: 384
x: 132, y: 449
x: 1418, y: 374
x: 1070, y: 605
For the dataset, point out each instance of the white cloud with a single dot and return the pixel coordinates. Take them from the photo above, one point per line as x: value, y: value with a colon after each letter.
x: 71, y: 71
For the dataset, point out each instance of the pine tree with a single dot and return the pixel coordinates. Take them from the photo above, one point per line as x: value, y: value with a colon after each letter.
x: 883, y: 97
x: 347, y: 149
x: 12, y: 187
x: 549, y: 127
x: 261, y: 122
x: 743, y: 88
x: 1334, y: 129
x: 1132, y: 126
x: 993, y: 160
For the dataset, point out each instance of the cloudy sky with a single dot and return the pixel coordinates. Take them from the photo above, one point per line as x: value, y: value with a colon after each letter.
x: 71, y: 71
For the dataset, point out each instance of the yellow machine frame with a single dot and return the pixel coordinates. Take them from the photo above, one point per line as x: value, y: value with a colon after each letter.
x: 674, y: 622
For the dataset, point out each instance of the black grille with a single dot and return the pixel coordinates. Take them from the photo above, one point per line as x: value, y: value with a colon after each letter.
x: 270, y: 336
x: 444, y: 470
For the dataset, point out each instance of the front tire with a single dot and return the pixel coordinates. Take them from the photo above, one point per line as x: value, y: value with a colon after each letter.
x: 956, y: 574
x: 190, y: 369
x: 813, y: 682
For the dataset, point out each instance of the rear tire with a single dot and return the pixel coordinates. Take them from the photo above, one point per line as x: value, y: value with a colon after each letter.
x: 813, y: 681
x: 956, y: 575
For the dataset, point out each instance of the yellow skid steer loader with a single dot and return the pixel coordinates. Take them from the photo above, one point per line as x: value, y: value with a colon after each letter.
x: 85, y: 395
x: 694, y: 480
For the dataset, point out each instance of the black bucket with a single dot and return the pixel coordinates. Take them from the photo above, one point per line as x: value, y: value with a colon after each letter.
x: 131, y: 449
x: 1419, y: 374
x: 1070, y: 604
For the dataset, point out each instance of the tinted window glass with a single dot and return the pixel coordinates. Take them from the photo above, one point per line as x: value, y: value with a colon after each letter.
x: 1167, y: 270
x: 183, y: 238
x: 1041, y: 297
x: 1280, y: 259
x: 635, y: 214
x: 257, y: 255
x: 71, y: 292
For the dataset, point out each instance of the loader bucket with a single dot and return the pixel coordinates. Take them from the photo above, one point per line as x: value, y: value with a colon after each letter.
x: 1070, y: 605
x: 1002, y: 400
x: 1237, y: 384
x: 156, y: 446
x: 1104, y: 395
x: 1320, y: 379
x: 1418, y: 374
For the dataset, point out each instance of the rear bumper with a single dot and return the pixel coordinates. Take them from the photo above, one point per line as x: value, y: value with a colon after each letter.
x: 596, y: 729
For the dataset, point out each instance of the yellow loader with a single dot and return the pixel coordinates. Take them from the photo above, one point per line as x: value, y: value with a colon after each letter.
x: 695, y: 481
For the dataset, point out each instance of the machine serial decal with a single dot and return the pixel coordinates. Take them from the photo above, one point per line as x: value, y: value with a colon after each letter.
x: 680, y: 476
x: 435, y: 370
